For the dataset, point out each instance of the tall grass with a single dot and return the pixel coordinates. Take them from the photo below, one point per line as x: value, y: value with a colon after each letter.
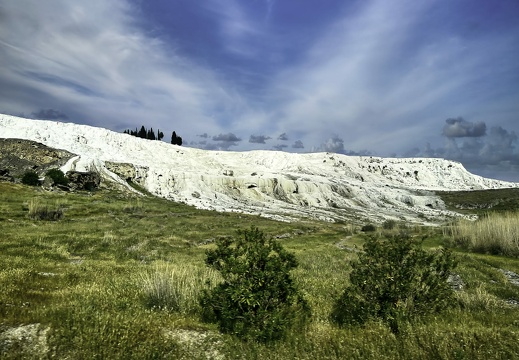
x: 44, y: 211
x: 496, y: 233
x: 176, y: 287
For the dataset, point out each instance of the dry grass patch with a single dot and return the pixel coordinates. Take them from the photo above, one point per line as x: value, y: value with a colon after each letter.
x: 43, y: 211
x: 496, y: 233
x: 176, y: 287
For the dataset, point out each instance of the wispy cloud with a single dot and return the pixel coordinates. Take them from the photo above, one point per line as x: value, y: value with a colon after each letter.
x: 379, y: 72
x: 238, y: 30
x: 382, y: 76
x: 95, y: 58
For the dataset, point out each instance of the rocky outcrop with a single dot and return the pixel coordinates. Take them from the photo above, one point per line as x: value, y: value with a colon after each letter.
x: 5, y: 176
x: 19, y: 156
x: 125, y: 171
x: 83, y: 180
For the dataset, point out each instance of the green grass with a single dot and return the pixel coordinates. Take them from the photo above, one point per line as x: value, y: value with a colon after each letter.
x: 85, y: 280
x: 482, y: 201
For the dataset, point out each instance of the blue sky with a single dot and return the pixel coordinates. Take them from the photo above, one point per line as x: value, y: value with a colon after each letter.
x: 389, y: 78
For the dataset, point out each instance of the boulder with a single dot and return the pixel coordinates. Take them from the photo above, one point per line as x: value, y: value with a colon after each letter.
x: 125, y: 171
x: 5, y: 176
x: 83, y: 180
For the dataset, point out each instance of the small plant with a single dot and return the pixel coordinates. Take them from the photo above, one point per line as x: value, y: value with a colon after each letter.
x: 133, y: 205
x: 368, y: 228
x: 257, y: 299
x: 395, y: 280
x: 30, y: 178
x: 57, y: 176
x: 39, y: 211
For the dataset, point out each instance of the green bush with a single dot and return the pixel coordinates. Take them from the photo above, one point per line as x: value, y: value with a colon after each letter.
x: 57, y: 176
x: 368, y: 228
x: 395, y: 280
x: 257, y: 299
x: 30, y: 178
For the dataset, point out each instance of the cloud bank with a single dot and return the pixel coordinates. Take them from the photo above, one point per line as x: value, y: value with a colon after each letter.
x: 380, y: 75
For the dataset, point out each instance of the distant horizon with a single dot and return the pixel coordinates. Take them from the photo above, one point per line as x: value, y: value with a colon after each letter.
x: 432, y: 78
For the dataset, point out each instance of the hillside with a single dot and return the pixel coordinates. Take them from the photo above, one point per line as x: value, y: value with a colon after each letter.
x: 275, y: 184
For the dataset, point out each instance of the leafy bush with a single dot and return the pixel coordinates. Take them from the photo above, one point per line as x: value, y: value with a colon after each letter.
x: 30, y: 178
x: 57, y: 176
x: 368, y: 228
x: 257, y: 299
x: 395, y: 280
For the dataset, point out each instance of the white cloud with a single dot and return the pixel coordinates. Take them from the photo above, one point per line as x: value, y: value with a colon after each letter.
x: 372, y: 80
x: 94, y: 57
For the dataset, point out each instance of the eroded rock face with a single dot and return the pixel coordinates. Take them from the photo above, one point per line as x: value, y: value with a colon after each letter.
x: 125, y: 171
x: 5, y: 176
x: 280, y: 185
x: 83, y: 180
x: 19, y: 156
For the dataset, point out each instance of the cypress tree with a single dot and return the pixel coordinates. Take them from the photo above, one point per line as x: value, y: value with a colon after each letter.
x: 142, y: 133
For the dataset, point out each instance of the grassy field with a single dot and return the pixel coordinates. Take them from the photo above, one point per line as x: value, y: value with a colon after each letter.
x: 117, y: 277
x: 482, y: 201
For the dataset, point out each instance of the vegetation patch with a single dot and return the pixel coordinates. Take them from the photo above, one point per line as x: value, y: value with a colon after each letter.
x: 481, y: 201
x: 494, y: 233
x: 257, y: 299
x: 84, y: 278
x: 58, y: 177
x: 31, y: 178
x: 177, y: 287
x: 395, y: 280
x: 39, y: 210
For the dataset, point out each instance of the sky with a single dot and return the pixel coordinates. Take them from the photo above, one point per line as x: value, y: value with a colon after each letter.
x: 399, y: 78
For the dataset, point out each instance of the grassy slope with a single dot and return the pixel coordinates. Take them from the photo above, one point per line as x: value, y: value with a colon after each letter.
x: 82, y: 278
x: 482, y: 201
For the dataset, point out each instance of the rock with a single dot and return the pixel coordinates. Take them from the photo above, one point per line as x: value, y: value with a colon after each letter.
x: 4, y: 175
x: 125, y: 171
x: 29, y: 341
x: 512, y: 277
x: 18, y: 156
x: 83, y: 180
x: 456, y: 282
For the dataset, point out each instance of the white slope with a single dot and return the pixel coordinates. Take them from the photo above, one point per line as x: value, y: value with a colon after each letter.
x: 269, y: 183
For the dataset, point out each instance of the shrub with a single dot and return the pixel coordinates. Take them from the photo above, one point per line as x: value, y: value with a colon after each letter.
x: 30, y: 178
x: 257, y: 299
x: 368, y: 228
x: 39, y: 211
x: 57, y: 176
x: 395, y: 280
